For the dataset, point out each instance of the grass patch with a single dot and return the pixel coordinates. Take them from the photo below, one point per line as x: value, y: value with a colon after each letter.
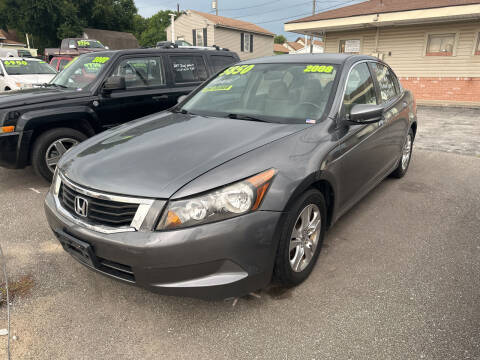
x: 16, y: 288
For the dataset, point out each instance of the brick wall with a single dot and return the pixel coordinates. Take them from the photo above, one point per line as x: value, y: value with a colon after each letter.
x: 449, y: 89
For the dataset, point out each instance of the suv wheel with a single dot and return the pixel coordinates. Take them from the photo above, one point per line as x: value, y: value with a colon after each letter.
x: 301, y: 239
x: 49, y: 148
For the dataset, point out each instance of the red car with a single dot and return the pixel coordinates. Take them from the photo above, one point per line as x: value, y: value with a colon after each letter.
x: 59, y: 62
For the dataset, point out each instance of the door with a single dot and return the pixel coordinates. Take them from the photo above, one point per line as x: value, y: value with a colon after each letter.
x: 146, y: 91
x: 356, y: 160
x: 188, y: 71
x: 396, y: 123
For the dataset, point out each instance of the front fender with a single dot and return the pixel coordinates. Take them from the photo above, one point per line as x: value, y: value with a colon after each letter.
x: 34, y: 119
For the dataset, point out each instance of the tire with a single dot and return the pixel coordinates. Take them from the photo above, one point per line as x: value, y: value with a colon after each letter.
x: 284, y: 273
x: 404, y: 163
x: 46, y: 143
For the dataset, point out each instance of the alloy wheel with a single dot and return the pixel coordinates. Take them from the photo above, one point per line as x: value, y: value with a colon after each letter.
x: 407, y: 150
x: 56, y: 150
x: 304, y: 238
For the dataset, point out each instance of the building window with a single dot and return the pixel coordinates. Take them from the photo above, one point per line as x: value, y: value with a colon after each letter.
x: 200, y: 39
x: 349, y: 46
x: 440, y: 44
x: 246, y: 42
x: 477, y: 46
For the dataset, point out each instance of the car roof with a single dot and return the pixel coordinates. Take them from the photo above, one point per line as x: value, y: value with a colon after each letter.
x: 160, y: 51
x: 19, y: 58
x: 309, y: 58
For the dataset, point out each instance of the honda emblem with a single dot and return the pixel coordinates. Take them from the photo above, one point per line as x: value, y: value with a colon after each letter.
x: 81, y: 206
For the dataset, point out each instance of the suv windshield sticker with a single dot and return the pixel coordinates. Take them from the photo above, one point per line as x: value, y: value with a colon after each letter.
x: 10, y: 63
x: 183, y: 67
x: 237, y: 70
x: 70, y: 63
x: 92, y: 67
x: 319, y: 68
x: 100, y: 59
x: 218, y: 88
x: 83, y: 43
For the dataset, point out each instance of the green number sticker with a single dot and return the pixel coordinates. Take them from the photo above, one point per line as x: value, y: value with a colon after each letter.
x: 92, y: 66
x: 71, y: 62
x: 100, y: 59
x: 83, y: 43
x: 237, y: 70
x: 15, y: 63
x: 319, y: 69
x: 218, y: 88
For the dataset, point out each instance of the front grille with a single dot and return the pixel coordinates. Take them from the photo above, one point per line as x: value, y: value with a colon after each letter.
x: 101, y: 212
x: 118, y: 270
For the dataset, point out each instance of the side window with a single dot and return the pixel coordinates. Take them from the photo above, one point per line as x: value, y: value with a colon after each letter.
x: 141, y: 72
x: 360, y: 88
x: 386, y: 81
x: 63, y: 63
x: 188, y: 68
x: 220, y: 62
x: 54, y: 63
x: 72, y: 43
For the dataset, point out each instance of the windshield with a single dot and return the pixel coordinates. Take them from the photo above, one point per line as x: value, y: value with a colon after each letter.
x: 27, y: 67
x: 282, y: 93
x: 90, y: 44
x: 81, y: 72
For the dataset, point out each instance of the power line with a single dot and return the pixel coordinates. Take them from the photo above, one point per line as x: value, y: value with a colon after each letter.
x: 251, y: 7
x: 291, y: 17
x: 283, y: 8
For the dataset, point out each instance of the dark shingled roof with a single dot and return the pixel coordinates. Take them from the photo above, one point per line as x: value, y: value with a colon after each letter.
x: 115, y: 40
x: 383, y: 6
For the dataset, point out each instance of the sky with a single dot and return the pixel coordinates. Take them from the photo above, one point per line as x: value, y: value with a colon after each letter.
x: 269, y: 14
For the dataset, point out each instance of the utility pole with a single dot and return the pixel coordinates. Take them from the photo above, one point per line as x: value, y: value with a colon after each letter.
x: 215, y: 6
x: 178, y: 8
x: 311, y: 37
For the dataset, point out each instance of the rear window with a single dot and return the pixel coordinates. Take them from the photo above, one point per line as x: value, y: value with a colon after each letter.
x: 188, y: 68
x: 220, y: 62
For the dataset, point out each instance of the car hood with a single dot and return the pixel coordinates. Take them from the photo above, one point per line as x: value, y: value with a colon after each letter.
x: 160, y: 154
x: 37, y: 95
x: 32, y: 78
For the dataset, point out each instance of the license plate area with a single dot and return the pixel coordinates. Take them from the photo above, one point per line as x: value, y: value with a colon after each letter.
x: 80, y: 250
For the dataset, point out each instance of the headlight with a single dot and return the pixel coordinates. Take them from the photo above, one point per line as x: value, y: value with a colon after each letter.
x: 229, y: 201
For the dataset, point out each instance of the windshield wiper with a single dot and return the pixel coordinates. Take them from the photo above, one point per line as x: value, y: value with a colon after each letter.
x: 54, y: 85
x: 245, y: 117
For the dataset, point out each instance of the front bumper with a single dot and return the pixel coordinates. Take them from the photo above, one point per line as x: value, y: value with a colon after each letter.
x: 214, y: 261
x: 14, y: 149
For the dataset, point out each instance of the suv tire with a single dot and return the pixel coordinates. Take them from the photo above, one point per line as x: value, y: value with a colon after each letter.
x: 54, y: 142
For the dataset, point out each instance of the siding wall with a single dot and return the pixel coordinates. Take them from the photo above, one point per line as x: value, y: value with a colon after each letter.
x: 186, y: 23
x: 407, y: 47
x: 230, y: 39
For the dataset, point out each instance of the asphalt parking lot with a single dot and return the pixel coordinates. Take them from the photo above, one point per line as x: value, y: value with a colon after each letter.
x: 398, y: 278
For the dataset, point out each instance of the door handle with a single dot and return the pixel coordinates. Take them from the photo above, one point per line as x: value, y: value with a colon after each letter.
x: 160, y: 97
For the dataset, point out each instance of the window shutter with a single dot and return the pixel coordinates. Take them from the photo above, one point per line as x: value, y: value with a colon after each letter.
x: 251, y: 42
x: 194, y: 34
x: 241, y: 42
x: 205, y: 42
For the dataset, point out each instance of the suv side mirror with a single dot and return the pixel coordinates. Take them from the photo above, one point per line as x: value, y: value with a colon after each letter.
x: 114, y: 83
x: 365, y: 114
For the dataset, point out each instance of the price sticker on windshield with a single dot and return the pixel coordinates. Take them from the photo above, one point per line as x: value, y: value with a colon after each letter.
x: 83, y: 43
x: 15, y: 63
x: 218, y: 88
x: 100, y: 59
x: 237, y: 70
x: 327, y: 69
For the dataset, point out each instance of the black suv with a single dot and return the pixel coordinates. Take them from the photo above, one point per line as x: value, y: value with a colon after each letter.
x: 95, y: 92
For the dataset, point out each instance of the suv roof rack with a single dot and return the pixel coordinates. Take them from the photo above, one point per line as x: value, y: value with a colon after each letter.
x: 170, y: 45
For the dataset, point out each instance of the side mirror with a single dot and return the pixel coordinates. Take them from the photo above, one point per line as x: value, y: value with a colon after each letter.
x: 114, y: 83
x: 365, y: 114
x: 181, y: 98
x: 72, y: 46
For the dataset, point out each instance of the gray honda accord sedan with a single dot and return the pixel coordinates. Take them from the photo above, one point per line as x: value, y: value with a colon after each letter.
x: 235, y: 186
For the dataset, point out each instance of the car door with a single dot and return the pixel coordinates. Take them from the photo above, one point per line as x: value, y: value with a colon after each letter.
x: 396, y: 122
x: 356, y: 160
x: 146, y: 90
x: 188, y: 71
